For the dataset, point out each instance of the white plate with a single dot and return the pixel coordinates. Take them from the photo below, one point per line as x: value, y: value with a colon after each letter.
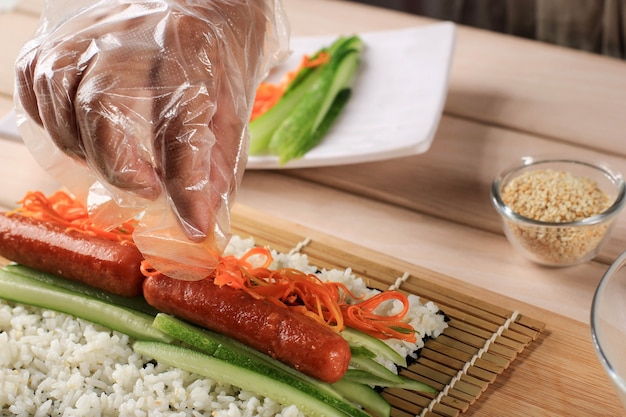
x: 397, y: 99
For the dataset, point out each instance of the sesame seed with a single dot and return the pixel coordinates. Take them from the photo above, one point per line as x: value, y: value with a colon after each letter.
x: 556, y: 197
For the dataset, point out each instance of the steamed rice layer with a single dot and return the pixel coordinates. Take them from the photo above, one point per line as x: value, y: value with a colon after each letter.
x: 52, y: 364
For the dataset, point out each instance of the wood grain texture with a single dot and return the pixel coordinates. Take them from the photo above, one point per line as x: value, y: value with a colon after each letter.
x: 476, y: 256
x: 453, y: 179
x: 18, y: 28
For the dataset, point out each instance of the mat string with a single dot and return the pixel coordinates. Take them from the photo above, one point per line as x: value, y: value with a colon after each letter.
x: 396, y: 285
x: 470, y: 363
x: 300, y: 245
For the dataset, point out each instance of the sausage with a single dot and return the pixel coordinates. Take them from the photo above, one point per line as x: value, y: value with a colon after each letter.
x: 290, y: 337
x: 49, y: 247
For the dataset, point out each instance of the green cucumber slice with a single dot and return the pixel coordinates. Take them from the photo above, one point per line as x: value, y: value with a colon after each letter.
x: 185, y: 332
x: 366, y: 363
x: 366, y: 396
x: 236, y: 353
x: 262, y: 128
x: 335, y: 400
x: 380, y: 348
x: 22, y: 289
x: 208, y: 342
x: 135, y: 303
x: 248, y: 379
x: 364, y: 377
x: 296, y: 134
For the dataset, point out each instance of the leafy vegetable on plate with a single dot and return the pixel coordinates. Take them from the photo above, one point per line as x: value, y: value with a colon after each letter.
x: 292, y: 118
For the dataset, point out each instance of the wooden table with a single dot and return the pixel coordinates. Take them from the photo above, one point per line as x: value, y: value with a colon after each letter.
x: 507, y: 97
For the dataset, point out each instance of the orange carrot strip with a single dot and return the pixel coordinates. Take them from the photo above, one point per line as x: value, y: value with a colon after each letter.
x: 147, y: 270
x: 361, y: 317
x: 326, y: 302
x: 322, y: 58
x: 62, y: 209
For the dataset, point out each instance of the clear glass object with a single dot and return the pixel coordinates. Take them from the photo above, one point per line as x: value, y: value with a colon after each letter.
x: 608, y: 324
x: 565, y: 243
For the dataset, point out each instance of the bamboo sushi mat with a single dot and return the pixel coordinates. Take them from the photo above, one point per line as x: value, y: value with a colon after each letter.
x: 481, y: 340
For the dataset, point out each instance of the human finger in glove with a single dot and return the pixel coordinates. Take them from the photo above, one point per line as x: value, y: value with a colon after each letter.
x: 153, y: 97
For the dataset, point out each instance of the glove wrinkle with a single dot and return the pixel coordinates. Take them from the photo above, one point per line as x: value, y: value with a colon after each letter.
x: 115, y: 105
x: 152, y: 98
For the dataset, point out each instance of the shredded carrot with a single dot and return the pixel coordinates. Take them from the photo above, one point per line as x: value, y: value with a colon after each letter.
x: 326, y: 302
x: 147, y: 270
x: 268, y: 94
x: 63, y: 209
x: 362, y: 317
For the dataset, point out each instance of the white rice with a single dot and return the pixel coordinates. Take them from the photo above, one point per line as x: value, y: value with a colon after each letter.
x: 52, y: 364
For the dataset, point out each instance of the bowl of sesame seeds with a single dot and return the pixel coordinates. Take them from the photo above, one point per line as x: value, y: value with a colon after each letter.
x: 558, y: 212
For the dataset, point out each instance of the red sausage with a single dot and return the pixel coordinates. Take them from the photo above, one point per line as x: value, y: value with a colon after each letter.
x: 48, y: 247
x: 290, y: 337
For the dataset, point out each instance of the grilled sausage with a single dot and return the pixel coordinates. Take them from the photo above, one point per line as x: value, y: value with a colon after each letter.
x: 99, y: 262
x: 290, y: 337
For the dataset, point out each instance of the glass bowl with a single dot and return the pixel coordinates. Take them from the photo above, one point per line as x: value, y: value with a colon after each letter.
x: 558, y: 212
x: 608, y: 324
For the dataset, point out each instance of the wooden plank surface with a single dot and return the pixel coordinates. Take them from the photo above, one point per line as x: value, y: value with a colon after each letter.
x: 475, y: 256
x: 559, y: 93
x: 18, y: 28
x: 556, y: 375
x: 452, y: 181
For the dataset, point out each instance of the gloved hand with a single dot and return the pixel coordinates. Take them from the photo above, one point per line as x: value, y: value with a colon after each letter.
x: 154, y: 97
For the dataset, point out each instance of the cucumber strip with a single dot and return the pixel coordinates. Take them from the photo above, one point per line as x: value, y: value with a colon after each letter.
x: 247, y: 379
x: 380, y: 348
x: 263, y: 127
x: 185, y: 332
x: 306, y: 72
x: 335, y: 399
x: 368, y: 364
x: 310, y: 105
x: 362, y: 351
x: 229, y: 350
x: 341, y: 99
x: 371, y: 400
x: 25, y: 290
x: 297, y: 131
x: 339, y: 43
x: 134, y: 303
x: 208, y: 341
x: 294, y: 149
x: 364, y: 377
x: 348, y: 59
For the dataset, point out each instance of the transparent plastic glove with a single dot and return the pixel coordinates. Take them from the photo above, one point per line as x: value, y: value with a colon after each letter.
x: 141, y: 108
